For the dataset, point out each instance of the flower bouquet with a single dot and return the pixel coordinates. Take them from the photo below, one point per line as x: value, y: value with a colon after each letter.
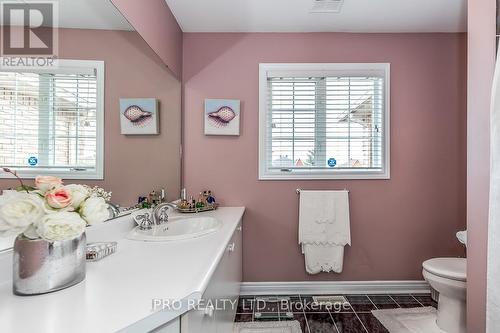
x: 49, y: 220
x: 51, y: 210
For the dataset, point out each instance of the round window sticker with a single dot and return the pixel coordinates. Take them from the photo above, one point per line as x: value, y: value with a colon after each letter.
x: 32, y: 161
x: 332, y: 162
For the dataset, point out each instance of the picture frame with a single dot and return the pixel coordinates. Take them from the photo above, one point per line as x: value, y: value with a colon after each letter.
x: 222, y: 117
x: 139, y: 116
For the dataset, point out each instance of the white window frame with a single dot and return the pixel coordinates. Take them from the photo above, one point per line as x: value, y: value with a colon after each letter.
x: 321, y: 69
x: 98, y: 172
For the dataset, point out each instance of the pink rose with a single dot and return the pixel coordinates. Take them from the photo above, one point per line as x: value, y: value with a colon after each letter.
x: 58, y: 198
x: 46, y: 183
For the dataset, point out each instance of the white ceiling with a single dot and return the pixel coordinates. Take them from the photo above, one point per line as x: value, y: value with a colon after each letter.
x: 88, y: 14
x: 294, y: 16
x: 91, y: 14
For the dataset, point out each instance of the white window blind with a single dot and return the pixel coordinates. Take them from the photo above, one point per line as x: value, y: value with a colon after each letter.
x: 324, y: 121
x: 51, y: 120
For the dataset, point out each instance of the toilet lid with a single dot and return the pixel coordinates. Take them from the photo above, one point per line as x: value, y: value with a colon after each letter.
x: 450, y: 268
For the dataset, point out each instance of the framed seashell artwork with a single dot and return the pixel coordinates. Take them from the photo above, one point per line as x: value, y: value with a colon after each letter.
x: 222, y: 117
x: 139, y: 116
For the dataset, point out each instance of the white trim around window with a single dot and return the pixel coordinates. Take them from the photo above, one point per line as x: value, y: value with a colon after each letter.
x: 68, y: 67
x: 309, y: 72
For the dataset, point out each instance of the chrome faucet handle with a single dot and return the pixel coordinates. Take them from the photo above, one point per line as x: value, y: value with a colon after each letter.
x: 163, y: 216
x: 160, y: 215
x: 144, y: 221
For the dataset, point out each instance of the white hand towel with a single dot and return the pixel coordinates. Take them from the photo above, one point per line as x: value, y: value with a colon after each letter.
x: 324, y: 217
x: 324, y: 229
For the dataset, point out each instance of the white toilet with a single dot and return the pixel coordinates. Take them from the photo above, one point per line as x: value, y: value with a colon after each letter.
x: 448, y: 277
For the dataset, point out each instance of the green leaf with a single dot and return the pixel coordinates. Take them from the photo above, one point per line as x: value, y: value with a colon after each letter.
x: 24, y: 188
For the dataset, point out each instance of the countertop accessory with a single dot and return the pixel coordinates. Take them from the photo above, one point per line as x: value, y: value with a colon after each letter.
x: 209, y: 197
x: 163, y: 195
x: 97, y: 251
x: 49, y: 251
x: 206, y: 208
x: 42, y: 266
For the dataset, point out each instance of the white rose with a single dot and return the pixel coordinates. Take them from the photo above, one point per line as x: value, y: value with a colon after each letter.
x: 94, y: 210
x: 18, y: 211
x: 60, y: 226
x: 78, y: 194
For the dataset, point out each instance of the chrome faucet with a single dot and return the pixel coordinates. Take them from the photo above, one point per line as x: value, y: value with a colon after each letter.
x: 114, y: 210
x: 160, y: 215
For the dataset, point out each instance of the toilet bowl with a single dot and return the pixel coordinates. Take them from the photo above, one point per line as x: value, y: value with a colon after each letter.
x: 448, y: 277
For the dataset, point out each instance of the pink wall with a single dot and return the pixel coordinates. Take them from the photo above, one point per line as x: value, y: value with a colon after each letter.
x: 133, y: 165
x: 154, y: 21
x: 481, y: 62
x: 395, y: 224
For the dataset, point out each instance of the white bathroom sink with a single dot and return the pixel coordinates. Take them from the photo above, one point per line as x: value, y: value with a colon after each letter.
x: 177, y: 229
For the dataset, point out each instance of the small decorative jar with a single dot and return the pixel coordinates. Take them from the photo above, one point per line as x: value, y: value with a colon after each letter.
x: 42, y: 266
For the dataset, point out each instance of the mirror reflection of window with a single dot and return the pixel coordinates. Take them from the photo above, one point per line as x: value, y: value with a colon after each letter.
x: 51, y: 121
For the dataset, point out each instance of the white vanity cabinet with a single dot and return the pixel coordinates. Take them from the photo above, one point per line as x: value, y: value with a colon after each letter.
x: 207, y: 267
x: 224, y: 285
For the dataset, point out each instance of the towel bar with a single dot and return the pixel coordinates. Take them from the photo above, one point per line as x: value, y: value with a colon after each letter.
x: 300, y: 190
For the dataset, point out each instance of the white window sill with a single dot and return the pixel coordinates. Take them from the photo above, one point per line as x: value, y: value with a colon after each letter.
x: 31, y: 174
x: 324, y: 176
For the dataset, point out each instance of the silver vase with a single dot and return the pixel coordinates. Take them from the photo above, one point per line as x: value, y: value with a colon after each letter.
x: 42, y: 266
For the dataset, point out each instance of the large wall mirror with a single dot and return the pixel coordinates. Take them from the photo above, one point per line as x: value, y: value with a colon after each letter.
x: 65, y: 120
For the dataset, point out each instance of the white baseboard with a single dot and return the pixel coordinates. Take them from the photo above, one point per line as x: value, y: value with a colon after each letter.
x: 334, y: 287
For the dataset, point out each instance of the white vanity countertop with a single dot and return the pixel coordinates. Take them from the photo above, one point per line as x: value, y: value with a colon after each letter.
x: 118, y: 290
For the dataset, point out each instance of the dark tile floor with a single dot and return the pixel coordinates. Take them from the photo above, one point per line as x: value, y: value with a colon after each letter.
x: 353, y: 318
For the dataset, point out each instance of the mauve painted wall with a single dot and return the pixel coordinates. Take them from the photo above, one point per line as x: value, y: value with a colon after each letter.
x: 134, y: 165
x: 396, y: 224
x: 481, y: 64
x: 157, y: 25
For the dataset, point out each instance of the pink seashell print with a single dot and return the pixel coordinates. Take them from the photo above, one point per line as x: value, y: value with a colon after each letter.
x: 137, y: 116
x: 221, y: 117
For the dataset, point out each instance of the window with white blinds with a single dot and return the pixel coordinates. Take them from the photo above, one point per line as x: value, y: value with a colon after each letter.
x: 51, y: 120
x: 324, y: 121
